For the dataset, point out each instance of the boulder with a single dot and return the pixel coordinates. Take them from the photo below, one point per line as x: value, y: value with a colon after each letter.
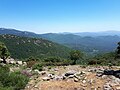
x: 72, y: 72
x: 43, y: 72
x: 71, y: 76
x: 24, y: 64
x: 76, y: 80
x: 19, y: 62
x: 11, y: 61
x: 51, y: 76
x: 58, y: 78
x: 45, y: 78
x: 37, y: 71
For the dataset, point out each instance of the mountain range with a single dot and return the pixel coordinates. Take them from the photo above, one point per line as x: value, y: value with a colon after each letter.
x: 91, y: 42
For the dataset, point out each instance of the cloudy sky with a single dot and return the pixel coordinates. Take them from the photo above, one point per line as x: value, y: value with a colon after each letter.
x: 45, y: 16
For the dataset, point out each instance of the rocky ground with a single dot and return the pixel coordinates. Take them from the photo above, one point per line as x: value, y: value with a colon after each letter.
x: 76, y: 78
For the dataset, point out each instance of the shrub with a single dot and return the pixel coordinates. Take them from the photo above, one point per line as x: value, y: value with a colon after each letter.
x: 38, y: 66
x: 31, y: 63
x: 12, y: 80
x: 26, y: 73
x: 92, y: 62
x: 52, y: 59
x: 56, y: 61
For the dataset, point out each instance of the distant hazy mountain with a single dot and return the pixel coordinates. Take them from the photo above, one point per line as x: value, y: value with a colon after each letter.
x: 86, y: 41
x: 17, y: 32
x: 94, y: 34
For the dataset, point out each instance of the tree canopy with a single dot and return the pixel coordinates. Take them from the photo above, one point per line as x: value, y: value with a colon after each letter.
x: 75, y: 55
x: 4, y: 53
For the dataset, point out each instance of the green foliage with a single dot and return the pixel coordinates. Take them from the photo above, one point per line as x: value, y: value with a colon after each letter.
x: 103, y: 59
x: 12, y: 80
x: 31, y: 63
x: 4, y: 53
x: 75, y: 55
x: 6, y: 88
x: 38, y: 66
x: 56, y: 61
x: 24, y: 47
x: 118, y: 51
x: 52, y: 59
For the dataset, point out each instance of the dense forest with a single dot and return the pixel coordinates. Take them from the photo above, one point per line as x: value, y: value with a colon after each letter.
x: 25, y: 47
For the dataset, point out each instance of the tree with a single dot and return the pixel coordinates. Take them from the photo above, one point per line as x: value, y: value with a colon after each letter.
x: 75, y: 55
x: 4, y: 53
x: 118, y: 51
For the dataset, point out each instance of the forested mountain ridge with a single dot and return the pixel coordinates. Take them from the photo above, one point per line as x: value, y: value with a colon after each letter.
x: 17, y: 32
x: 87, y: 44
x: 24, y: 47
x: 91, y: 42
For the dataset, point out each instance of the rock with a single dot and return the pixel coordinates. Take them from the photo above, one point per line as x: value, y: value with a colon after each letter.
x: 72, y: 72
x: 37, y: 71
x: 56, y: 69
x: 71, y: 76
x: 115, y: 80
x: 45, y: 78
x: 84, y: 81
x: 107, y: 87
x: 19, y: 62
x: 98, y: 74
x: 11, y: 61
x: 76, y: 80
x: 90, y: 81
x: 43, y: 72
x: 117, y: 88
x: 58, y: 78
x: 24, y: 64
x: 108, y: 72
x: 117, y: 74
x: 104, y: 76
x: 51, y: 76
x: 93, y: 88
x: 92, y: 70
x: 83, y: 72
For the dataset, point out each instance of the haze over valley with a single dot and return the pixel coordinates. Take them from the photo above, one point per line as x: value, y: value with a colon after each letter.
x: 59, y: 44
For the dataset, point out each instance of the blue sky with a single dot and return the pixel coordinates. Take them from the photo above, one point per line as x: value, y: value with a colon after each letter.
x: 43, y: 16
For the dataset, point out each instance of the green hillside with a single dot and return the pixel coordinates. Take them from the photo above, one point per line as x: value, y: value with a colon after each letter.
x: 98, y: 44
x: 24, y: 47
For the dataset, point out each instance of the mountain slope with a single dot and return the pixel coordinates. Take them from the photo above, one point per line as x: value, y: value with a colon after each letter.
x: 86, y: 41
x: 17, y: 32
x: 95, y: 34
x: 87, y: 44
x: 24, y: 47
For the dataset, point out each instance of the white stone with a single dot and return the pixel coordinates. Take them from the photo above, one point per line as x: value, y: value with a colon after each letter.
x: 46, y: 78
x: 19, y: 62
x: 76, y: 80
x: 84, y: 81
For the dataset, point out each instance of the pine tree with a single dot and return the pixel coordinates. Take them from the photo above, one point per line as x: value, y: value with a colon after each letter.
x: 118, y: 51
x: 4, y: 53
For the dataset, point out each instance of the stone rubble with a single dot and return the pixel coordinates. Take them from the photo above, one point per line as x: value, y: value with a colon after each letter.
x: 83, y: 77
